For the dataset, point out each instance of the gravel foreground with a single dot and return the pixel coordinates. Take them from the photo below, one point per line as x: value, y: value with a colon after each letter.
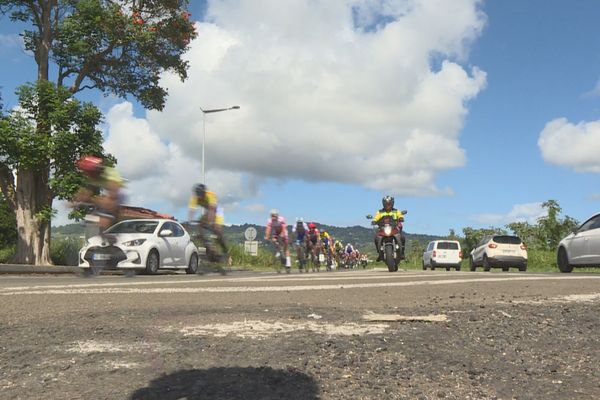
x: 503, y: 351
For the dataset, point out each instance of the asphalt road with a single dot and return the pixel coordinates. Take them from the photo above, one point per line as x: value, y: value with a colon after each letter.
x: 349, y: 335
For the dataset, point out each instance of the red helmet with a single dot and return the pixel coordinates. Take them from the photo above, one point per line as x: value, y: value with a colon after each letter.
x: 90, y: 165
x: 312, y: 225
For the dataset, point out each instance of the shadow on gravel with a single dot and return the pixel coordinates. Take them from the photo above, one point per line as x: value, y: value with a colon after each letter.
x: 231, y: 383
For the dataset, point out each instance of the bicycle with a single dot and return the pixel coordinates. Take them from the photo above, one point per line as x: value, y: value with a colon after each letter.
x: 279, y: 254
x: 208, y: 241
x: 301, y: 255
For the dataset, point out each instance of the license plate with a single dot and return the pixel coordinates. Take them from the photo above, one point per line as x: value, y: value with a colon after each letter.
x: 101, y: 257
x: 442, y: 256
x: 508, y: 251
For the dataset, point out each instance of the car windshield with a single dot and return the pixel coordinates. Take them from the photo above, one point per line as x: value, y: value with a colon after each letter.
x: 507, y: 239
x: 134, y: 227
x: 447, y: 246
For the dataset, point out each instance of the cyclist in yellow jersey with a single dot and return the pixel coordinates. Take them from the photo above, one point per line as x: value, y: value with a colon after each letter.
x: 212, y: 218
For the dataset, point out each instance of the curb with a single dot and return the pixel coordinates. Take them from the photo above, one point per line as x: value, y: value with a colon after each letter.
x: 35, y: 269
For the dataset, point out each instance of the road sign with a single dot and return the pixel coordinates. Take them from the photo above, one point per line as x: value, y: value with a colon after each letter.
x: 251, y: 247
x: 250, y: 233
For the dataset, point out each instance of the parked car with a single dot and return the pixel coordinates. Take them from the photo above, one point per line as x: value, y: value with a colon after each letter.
x: 503, y: 251
x: 581, y: 248
x: 442, y: 253
x: 141, y: 244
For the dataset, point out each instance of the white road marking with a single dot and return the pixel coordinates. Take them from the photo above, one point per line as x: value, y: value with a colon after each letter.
x: 78, y: 289
x: 260, y: 279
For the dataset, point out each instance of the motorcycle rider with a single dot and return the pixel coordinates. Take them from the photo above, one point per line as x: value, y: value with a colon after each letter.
x: 388, y: 211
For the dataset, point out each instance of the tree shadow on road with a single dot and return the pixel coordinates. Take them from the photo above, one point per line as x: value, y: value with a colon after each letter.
x: 248, y: 383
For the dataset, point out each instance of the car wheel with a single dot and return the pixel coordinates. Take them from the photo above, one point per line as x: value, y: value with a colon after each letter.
x: 472, y: 265
x: 486, y: 264
x: 152, y: 262
x: 424, y: 266
x: 523, y: 268
x: 457, y: 267
x: 193, y: 264
x: 562, y: 259
x: 447, y: 268
x: 432, y: 264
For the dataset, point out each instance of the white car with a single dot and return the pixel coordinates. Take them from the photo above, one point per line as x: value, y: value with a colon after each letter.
x: 499, y: 251
x: 442, y: 253
x: 141, y: 244
x: 581, y: 248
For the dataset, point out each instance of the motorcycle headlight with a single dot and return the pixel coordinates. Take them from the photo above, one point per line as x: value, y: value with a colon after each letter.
x: 136, y: 242
x: 387, y: 230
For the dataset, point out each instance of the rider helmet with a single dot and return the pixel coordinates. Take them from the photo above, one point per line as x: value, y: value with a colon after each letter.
x: 299, y: 220
x: 90, y: 165
x: 200, y: 189
x: 387, y: 200
x: 312, y: 225
x: 274, y: 213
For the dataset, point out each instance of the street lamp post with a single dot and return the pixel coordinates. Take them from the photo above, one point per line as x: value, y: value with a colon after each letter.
x: 204, y: 112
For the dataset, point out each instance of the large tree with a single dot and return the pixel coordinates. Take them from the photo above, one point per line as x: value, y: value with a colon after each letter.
x: 118, y: 47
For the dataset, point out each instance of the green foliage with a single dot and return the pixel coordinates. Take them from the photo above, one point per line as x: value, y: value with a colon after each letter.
x: 65, y: 251
x: 8, y: 224
x: 72, y: 133
x: 6, y: 253
x: 549, y: 229
x: 264, y: 260
x: 117, y: 47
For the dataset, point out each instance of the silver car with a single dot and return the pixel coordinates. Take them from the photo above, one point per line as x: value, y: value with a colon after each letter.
x: 141, y: 244
x: 581, y: 248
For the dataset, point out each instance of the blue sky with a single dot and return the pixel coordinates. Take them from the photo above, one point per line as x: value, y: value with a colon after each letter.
x: 470, y: 113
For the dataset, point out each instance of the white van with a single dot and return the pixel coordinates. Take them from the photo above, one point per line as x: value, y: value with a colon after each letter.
x: 442, y: 253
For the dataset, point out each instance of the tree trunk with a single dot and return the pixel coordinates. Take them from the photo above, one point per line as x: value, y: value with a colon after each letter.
x: 33, y: 242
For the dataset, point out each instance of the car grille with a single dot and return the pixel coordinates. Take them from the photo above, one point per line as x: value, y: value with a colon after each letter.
x: 110, y: 256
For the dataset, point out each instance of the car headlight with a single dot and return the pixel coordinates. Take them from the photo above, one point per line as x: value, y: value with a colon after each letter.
x: 136, y: 242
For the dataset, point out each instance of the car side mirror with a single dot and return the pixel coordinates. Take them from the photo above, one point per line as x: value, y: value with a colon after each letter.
x: 166, y: 232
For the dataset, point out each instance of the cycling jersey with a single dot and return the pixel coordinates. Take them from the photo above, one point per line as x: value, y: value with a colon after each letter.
x: 301, y: 230
x: 349, y: 249
x: 208, y: 201
x: 314, y: 236
x: 278, y: 226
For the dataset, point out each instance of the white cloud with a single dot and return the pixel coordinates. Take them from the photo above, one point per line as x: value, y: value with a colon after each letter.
x: 527, y: 212
x: 321, y: 98
x: 572, y: 146
x: 10, y: 41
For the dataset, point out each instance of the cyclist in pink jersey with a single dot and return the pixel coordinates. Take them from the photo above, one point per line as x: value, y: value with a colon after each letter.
x: 277, y: 227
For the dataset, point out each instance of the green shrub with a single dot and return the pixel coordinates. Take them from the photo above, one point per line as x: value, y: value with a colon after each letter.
x: 65, y: 251
x: 6, y: 253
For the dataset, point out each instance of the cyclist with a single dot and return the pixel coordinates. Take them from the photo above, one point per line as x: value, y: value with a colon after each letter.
x: 276, y: 225
x: 327, y: 246
x: 212, y: 218
x: 388, y: 211
x: 338, y: 249
x: 103, y: 190
x: 349, y: 255
x: 314, y: 244
x: 301, y: 231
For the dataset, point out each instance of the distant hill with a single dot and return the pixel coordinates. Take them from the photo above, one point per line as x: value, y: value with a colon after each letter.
x: 359, y: 236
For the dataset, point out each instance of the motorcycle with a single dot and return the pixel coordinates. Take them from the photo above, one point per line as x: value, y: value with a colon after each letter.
x: 388, y: 230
